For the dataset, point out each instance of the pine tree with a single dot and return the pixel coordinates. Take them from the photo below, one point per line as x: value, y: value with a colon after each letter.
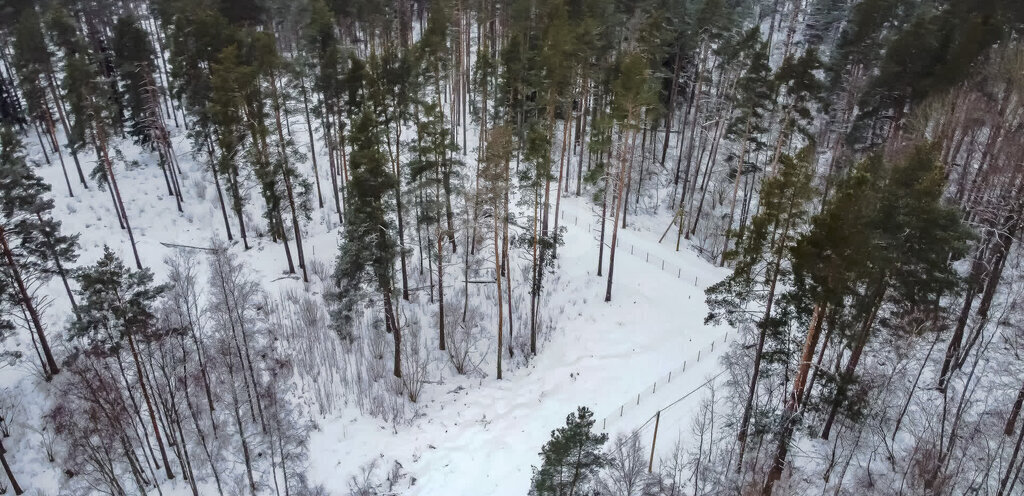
x: 368, y: 247
x: 33, y: 62
x: 753, y: 96
x: 391, y: 83
x: 328, y: 61
x: 96, y: 120
x: 434, y: 171
x: 32, y: 246
x: 887, y: 238
x: 571, y: 459
x: 227, y: 126
x: 799, y: 89
x: 633, y: 96
x: 493, y: 195
x: 762, y: 266
x: 134, y: 56
x: 118, y: 308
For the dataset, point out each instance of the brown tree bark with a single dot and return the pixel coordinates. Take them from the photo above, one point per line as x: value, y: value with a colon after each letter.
x: 619, y: 201
x: 49, y: 364
x: 7, y: 469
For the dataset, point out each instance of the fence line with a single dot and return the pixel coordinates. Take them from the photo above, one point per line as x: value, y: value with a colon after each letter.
x: 657, y: 414
x: 635, y: 400
x: 648, y: 257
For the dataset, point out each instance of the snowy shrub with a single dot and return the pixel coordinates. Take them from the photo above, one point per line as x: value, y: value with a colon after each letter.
x: 199, y: 187
x: 625, y: 473
x: 320, y: 271
x: 366, y: 482
x: 462, y: 337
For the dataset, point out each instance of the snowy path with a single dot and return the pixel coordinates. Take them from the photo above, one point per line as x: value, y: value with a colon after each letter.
x: 484, y: 438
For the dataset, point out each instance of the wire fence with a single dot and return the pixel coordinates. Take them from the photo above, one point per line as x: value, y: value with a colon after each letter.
x: 641, y: 399
x: 638, y: 400
x: 661, y: 263
x: 656, y: 416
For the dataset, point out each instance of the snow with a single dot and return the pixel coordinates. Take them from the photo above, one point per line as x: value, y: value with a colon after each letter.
x: 484, y: 438
x: 469, y: 434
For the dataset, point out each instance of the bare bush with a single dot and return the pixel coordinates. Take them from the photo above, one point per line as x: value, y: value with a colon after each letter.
x: 417, y: 360
x: 366, y: 483
x: 626, y: 471
x: 462, y: 337
x: 8, y: 411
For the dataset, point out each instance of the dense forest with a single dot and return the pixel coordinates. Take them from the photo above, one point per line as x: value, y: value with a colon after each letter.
x: 226, y: 224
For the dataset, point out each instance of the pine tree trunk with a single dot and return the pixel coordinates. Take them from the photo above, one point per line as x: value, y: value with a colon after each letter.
x: 581, y: 136
x: 236, y: 201
x: 220, y: 193
x: 67, y: 131
x: 440, y: 291
x: 855, y: 355
x: 56, y: 148
x: 285, y: 173
x: 534, y: 269
x: 333, y: 163
x: 395, y: 161
x: 1005, y: 481
x: 1011, y: 421
x: 558, y: 193
x: 671, y: 108
x: 619, y: 202
x: 600, y: 240
x: 762, y: 331
x: 312, y: 147
x: 497, y: 280
x: 735, y: 190
x: 296, y: 228
x: 504, y: 252
x: 50, y: 364
x: 7, y: 470
x: 956, y: 340
x: 117, y: 194
x: 396, y: 331
x: 59, y: 266
x: 793, y: 403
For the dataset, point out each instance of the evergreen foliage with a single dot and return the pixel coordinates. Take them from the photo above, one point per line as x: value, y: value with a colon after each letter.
x: 571, y: 459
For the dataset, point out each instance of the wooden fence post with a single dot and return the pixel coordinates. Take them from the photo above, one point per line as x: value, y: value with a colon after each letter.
x: 657, y: 420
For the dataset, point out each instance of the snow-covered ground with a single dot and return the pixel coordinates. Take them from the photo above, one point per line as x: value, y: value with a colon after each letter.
x: 483, y: 438
x: 467, y: 435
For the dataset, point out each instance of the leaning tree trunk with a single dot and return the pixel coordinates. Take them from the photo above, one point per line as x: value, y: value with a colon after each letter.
x: 117, y: 194
x: 793, y: 403
x: 761, y: 336
x: 50, y: 363
x: 149, y: 406
x: 7, y: 469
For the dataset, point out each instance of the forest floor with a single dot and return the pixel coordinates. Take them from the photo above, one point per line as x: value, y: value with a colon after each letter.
x: 481, y: 436
x: 467, y: 435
